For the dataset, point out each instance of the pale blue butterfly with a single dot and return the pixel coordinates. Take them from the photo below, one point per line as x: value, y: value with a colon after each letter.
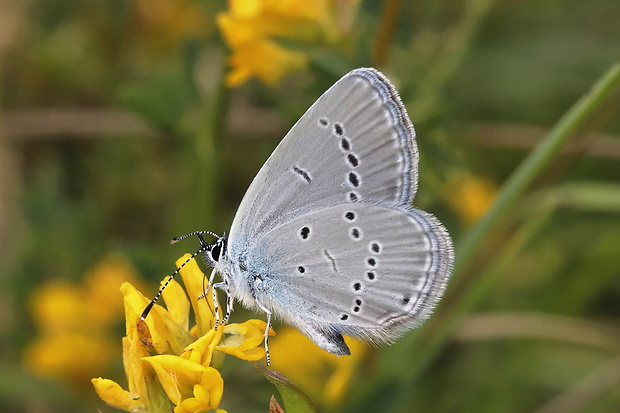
x: 326, y: 239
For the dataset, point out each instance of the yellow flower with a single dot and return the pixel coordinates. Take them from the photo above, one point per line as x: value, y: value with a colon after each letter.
x: 253, y: 30
x: 245, y: 340
x: 76, y: 323
x: 71, y: 356
x: 470, y: 196
x: 166, y: 361
x: 323, y: 376
x: 101, y: 284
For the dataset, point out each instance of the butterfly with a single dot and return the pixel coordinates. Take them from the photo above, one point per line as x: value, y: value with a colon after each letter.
x: 325, y: 238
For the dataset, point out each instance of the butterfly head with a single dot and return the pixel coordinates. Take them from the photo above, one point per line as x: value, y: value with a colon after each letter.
x: 213, y: 252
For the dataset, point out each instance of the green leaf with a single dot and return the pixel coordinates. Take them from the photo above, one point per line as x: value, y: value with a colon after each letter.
x: 295, y: 400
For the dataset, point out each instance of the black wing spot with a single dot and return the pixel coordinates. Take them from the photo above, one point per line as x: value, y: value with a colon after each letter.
x: 355, y: 233
x: 305, y: 232
x: 354, y: 179
x: 302, y: 173
x: 375, y: 247
x: 406, y: 300
x: 358, y: 302
x: 345, y: 144
x: 350, y: 215
x: 323, y: 122
x: 301, y: 269
x: 344, y: 317
x: 353, y: 196
x: 372, y: 262
x: 356, y: 309
x: 353, y: 160
x: 371, y: 275
x: 338, y: 129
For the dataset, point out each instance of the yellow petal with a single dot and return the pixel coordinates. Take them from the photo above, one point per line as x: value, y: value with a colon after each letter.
x: 253, y: 354
x: 135, y: 303
x: 194, y: 281
x: 105, y: 305
x: 111, y: 393
x: 166, y: 336
x: 72, y: 356
x: 207, y: 393
x: 176, y: 375
x: 201, y: 350
x: 133, y: 351
x: 250, y: 328
x: 211, y: 388
x: 245, y: 340
x: 58, y: 307
x: 267, y: 61
x: 172, y: 326
x: 238, y: 32
x: 245, y: 8
x: 177, y: 303
x: 190, y: 406
x: 470, y: 196
x: 142, y: 379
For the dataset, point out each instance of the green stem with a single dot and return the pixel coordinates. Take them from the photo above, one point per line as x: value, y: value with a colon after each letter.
x: 203, y: 153
x: 533, y: 165
x: 389, y: 16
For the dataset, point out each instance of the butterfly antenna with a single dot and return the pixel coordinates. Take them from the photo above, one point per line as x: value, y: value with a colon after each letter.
x: 203, y: 248
x: 193, y: 234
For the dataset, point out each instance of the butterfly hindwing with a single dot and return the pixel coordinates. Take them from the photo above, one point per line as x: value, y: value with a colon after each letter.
x: 370, y: 270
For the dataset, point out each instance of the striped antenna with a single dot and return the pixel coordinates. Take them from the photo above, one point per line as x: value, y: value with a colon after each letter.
x: 193, y: 234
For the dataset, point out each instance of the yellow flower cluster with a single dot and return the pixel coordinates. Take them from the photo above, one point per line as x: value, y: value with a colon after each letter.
x: 75, y: 323
x: 166, y: 361
x: 254, y: 29
x: 470, y: 196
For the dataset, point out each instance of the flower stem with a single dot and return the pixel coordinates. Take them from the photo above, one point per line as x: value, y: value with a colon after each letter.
x: 389, y: 16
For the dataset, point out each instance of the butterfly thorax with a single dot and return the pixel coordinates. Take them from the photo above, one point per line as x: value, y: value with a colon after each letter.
x: 241, y: 283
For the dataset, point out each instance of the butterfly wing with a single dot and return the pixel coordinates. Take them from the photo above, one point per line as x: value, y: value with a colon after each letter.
x: 355, y: 143
x: 365, y: 269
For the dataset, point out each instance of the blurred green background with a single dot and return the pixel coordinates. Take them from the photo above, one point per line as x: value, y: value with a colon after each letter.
x: 123, y: 124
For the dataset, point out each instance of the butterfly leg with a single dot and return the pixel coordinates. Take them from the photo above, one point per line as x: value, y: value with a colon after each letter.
x: 216, y: 306
x: 216, y: 302
x: 266, y: 310
x: 229, y: 302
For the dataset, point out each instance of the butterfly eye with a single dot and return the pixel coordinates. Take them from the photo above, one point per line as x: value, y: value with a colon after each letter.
x: 216, y: 251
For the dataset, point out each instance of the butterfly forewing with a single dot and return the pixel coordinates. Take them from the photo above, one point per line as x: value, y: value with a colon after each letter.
x: 366, y: 269
x: 355, y: 143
